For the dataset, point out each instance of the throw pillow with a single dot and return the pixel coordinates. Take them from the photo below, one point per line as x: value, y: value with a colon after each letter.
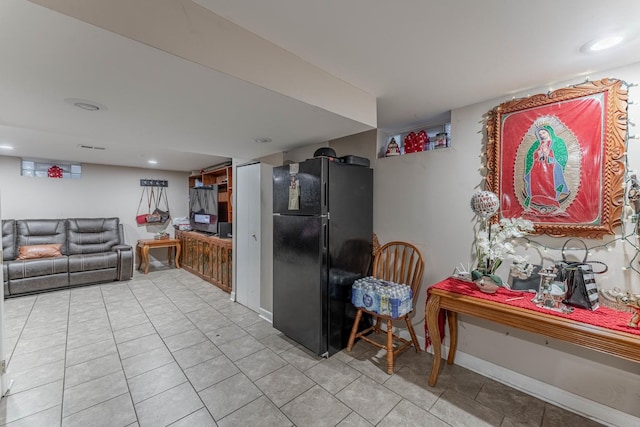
x: 39, y: 251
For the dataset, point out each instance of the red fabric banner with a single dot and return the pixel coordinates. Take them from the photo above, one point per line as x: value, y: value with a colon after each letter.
x: 560, y: 182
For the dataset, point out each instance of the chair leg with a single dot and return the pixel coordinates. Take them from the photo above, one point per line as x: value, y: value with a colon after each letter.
x: 378, y: 322
x: 354, y: 330
x: 412, y: 332
x: 389, y: 347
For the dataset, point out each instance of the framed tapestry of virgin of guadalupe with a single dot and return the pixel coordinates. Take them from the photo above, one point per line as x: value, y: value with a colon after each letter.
x: 557, y: 159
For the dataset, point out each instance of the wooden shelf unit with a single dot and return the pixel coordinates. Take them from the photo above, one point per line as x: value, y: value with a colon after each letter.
x: 223, y: 177
x: 207, y: 257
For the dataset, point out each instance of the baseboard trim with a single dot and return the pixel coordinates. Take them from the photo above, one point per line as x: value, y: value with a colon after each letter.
x: 232, y: 296
x: 266, y: 315
x: 543, y: 391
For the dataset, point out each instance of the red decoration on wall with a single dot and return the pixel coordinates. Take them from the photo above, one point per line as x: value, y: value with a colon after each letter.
x: 54, y: 172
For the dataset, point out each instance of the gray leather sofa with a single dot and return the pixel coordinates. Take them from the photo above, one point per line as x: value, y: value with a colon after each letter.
x: 92, y: 250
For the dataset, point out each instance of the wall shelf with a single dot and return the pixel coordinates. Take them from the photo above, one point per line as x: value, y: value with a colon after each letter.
x: 223, y: 178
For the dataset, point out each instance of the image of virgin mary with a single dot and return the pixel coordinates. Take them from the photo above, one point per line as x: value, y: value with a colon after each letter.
x: 545, y: 163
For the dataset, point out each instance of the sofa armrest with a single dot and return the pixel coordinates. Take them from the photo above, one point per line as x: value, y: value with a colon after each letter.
x: 125, y: 261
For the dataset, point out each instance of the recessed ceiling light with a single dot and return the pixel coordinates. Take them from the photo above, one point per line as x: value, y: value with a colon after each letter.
x: 85, y: 104
x: 601, y: 44
x: 6, y: 147
x: 153, y: 162
x: 262, y: 140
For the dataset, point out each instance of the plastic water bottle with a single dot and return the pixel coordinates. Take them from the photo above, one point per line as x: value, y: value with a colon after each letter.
x: 357, y: 291
x: 371, y: 301
x: 384, y: 300
x: 394, y: 303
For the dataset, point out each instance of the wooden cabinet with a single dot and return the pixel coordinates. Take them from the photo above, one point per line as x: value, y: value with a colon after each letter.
x: 208, y: 257
x: 223, y: 178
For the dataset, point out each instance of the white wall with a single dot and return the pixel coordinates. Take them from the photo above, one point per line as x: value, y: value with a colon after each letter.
x: 103, y: 191
x: 266, y: 243
x: 424, y: 198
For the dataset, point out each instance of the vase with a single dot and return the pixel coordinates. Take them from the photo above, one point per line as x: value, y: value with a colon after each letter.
x: 486, y: 284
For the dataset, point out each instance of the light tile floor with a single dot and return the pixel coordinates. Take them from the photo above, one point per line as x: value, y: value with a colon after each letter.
x: 167, y: 348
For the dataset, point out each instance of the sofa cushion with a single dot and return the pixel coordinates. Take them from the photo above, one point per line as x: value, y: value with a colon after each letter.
x: 39, y: 251
x: 19, y: 269
x: 9, y: 251
x: 42, y: 232
x: 92, y: 235
x: 88, y: 262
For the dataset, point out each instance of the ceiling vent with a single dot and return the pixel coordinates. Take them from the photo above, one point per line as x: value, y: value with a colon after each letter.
x: 91, y: 147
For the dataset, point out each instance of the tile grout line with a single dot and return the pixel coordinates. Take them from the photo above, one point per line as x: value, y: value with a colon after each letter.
x: 170, y: 352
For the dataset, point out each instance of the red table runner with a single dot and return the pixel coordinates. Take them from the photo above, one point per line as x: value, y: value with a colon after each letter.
x: 604, y: 317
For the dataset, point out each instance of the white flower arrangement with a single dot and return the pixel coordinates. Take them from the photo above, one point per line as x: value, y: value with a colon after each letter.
x: 495, y: 245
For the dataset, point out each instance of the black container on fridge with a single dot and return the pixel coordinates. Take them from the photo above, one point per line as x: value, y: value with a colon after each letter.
x: 322, y: 242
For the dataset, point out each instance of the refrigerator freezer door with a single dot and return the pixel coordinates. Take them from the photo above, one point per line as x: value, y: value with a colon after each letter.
x: 350, y: 198
x: 305, y: 182
x: 300, y: 280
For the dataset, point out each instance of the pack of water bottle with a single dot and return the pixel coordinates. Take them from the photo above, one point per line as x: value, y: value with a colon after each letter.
x: 382, y: 297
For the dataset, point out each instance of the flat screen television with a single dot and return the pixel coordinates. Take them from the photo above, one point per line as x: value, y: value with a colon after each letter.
x: 203, y: 209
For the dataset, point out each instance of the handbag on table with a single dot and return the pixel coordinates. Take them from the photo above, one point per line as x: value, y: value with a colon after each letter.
x: 579, y: 279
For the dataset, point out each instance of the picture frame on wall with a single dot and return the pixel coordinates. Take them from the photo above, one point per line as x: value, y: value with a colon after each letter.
x: 557, y: 159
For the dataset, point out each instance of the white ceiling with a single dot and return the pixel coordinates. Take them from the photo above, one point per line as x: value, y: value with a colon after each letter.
x: 418, y: 58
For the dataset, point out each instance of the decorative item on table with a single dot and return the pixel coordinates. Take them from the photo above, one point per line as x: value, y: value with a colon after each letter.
x: 612, y: 298
x: 462, y: 273
x: 551, y: 292
x: 494, y: 242
x: 579, y: 278
x: 633, y: 302
x: 581, y: 287
x: 393, y: 149
x: 161, y: 235
x: 524, y: 276
x: 623, y: 301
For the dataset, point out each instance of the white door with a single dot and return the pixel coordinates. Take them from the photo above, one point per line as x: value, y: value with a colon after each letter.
x: 248, y: 239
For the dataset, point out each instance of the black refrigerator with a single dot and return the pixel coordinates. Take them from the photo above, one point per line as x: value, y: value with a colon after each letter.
x: 322, y: 243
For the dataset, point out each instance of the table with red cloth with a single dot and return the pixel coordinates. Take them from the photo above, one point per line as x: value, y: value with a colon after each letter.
x: 604, y: 329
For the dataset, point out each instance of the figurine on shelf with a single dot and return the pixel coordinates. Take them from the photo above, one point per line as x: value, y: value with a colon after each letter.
x: 411, y: 143
x: 423, y: 141
x: 392, y: 149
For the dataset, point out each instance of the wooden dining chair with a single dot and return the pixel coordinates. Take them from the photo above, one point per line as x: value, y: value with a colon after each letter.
x: 398, y: 262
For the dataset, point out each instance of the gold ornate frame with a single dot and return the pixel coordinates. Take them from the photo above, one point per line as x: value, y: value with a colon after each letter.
x: 574, y: 188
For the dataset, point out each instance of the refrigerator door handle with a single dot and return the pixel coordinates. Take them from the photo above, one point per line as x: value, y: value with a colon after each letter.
x: 324, y: 195
x: 324, y: 235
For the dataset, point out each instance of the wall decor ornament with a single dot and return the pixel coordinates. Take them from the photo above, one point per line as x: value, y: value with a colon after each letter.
x: 557, y: 159
x: 484, y: 204
x: 54, y: 172
x: 393, y: 149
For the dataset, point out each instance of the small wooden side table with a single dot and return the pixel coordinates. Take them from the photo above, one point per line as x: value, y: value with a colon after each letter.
x: 143, y: 246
